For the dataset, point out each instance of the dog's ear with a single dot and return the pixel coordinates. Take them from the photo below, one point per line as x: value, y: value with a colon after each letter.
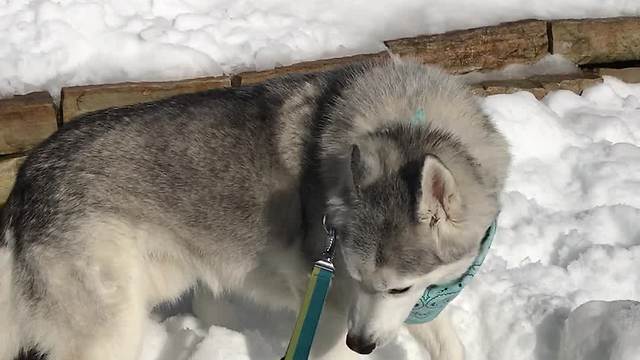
x: 439, y: 198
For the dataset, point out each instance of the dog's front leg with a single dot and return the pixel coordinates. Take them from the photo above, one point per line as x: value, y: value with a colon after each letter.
x: 439, y: 337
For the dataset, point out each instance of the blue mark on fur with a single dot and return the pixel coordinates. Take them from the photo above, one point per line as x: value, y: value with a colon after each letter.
x: 419, y: 117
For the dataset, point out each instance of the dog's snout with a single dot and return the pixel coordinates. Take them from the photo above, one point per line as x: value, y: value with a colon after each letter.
x: 360, y: 345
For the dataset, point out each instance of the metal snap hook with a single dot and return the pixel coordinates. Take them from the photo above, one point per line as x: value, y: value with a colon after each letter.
x: 331, y: 239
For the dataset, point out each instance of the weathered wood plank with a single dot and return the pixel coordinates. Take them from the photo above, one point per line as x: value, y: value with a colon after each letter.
x: 488, y: 47
x: 593, y: 41
x: 539, y: 86
x: 8, y: 170
x: 630, y: 75
x: 25, y: 121
x: 78, y: 100
x: 254, y: 77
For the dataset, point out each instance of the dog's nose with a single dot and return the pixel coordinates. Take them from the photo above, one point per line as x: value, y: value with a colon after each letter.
x: 360, y: 345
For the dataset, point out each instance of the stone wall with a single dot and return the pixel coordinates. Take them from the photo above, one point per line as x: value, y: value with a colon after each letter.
x: 599, y: 46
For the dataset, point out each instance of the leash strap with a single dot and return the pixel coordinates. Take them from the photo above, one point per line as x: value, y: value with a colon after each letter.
x: 311, y: 309
x: 309, y: 314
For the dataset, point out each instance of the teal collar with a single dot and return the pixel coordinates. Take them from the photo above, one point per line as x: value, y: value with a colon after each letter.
x: 436, y: 297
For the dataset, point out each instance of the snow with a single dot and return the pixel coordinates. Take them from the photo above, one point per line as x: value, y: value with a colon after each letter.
x: 568, y: 231
x: 602, y: 330
x: 568, y: 240
x: 549, y: 65
x: 238, y: 329
x: 47, y: 44
x: 567, y: 251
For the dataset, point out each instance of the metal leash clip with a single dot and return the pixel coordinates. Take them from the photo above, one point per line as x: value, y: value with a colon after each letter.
x: 330, y: 251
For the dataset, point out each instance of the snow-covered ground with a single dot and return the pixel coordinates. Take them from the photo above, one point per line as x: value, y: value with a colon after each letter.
x: 46, y: 44
x: 568, y: 234
x: 569, y: 230
x: 602, y: 330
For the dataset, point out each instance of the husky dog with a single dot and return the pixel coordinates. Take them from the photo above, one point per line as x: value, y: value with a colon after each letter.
x: 128, y: 207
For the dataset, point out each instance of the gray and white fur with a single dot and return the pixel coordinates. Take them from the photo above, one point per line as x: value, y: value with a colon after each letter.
x: 128, y: 207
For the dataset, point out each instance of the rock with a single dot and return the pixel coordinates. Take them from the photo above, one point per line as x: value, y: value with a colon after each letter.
x: 481, y: 48
x: 78, y: 100
x: 8, y: 170
x: 25, y: 121
x: 596, y: 41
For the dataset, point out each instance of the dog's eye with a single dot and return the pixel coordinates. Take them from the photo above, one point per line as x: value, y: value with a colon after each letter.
x: 399, y: 291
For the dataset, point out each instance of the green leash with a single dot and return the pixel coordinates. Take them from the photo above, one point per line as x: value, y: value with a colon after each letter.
x: 309, y: 314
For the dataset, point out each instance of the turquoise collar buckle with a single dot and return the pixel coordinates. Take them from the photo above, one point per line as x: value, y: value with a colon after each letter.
x: 436, y: 297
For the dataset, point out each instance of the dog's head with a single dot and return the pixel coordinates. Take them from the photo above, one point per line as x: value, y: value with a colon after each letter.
x: 410, y: 225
